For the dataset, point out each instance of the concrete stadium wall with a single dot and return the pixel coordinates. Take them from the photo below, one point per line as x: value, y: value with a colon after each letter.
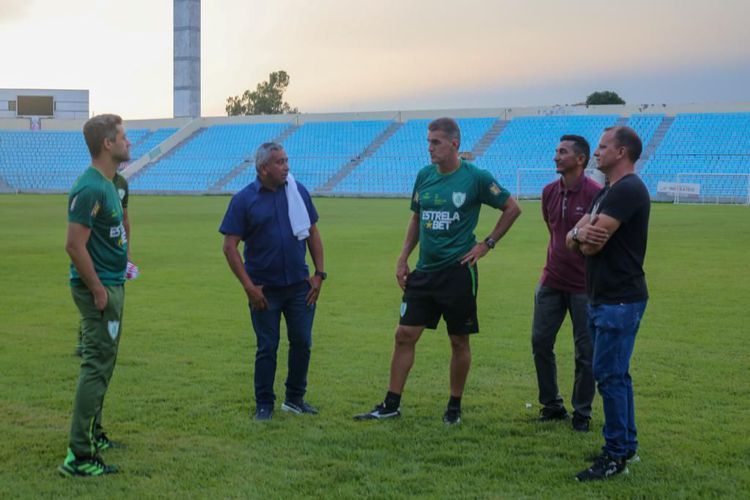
x: 345, y: 117
x: 431, y: 114
x: 237, y: 120
x: 627, y: 109
x: 503, y: 113
x: 507, y: 113
x: 68, y: 103
x: 15, y: 124
x: 400, y: 116
x: 153, y: 124
x: 56, y: 124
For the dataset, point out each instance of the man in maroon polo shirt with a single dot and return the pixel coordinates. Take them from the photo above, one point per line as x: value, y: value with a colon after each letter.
x: 562, y: 287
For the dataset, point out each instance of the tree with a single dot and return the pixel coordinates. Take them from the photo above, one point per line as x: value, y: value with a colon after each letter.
x: 604, y: 97
x: 267, y: 99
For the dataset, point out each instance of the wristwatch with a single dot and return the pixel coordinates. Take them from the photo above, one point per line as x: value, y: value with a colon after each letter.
x: 489, y: 242
x: 574, y: 235
x: 322, y: 275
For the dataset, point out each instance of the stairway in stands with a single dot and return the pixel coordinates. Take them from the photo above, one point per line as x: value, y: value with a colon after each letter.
x: 369, y: 151
x: 482, y: 144
x: 172, y: 151
x: 247, y: 162
x: 655, y: 141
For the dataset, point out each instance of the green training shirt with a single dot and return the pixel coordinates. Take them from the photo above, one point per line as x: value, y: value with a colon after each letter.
x: 448, y: 207
x: 94, y: 202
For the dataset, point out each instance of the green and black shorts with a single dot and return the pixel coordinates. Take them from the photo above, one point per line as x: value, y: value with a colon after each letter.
x: 450, y: 293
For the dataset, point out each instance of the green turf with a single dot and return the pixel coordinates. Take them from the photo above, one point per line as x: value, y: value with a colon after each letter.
x: 181, y: 396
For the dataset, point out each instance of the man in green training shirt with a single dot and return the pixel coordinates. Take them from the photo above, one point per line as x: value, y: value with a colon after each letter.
x: 446, y: 200
x: 123, y: 192
x: 98, y: 248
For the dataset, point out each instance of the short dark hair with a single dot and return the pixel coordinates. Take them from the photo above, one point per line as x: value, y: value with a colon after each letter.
x: 447, y: 125
x: 98, y: 128
x: 580, y: 146
x: 627, y: 138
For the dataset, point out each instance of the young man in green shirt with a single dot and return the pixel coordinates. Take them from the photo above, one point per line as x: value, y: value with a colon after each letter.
x: 123, y: 192
x: 446, y: 200
x: 98, y: 248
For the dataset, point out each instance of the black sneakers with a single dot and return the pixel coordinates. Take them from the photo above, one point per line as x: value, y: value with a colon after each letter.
x: 263, y: 413
x: 580, y: 423
x: 104, y: 443
x: 299, y: 407
x: 452, y: 416
x: 380, y: 412
x: 632, y: 457
x: 550, y: 414
x: 603, y: 467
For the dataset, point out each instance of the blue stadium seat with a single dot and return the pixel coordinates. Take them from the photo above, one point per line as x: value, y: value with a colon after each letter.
x: 392, y: 168
x: 205, y: 158
x: 42, y: 160
x: 709, y: 150
x: 703, y: 143
x: 521, y: 158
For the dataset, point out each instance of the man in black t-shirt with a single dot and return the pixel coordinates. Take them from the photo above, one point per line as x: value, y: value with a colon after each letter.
x: 612, y: 236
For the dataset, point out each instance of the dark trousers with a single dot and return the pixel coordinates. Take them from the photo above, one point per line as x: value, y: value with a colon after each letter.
x: 291, y: 302
x: 550, y: 307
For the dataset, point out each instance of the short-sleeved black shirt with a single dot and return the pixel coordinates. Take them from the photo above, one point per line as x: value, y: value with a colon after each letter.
x: 615, y: 274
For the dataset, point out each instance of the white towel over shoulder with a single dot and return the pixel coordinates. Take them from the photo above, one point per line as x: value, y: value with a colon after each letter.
x: 298, y: 216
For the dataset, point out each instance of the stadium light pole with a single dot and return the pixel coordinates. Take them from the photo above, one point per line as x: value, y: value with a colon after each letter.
x: 187, y: 58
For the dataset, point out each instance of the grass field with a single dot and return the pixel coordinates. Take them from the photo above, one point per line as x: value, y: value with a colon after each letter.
x: 181, y: 396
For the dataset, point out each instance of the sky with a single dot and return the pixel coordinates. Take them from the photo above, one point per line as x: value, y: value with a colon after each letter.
x: 356, y: 55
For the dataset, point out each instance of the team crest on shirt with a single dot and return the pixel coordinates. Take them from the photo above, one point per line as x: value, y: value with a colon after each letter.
x: 121, y: 193
x: 459, y: 199
x: 95, y: 210
x: 113, y: 327
x: 495, y: 189
x: 403, y: 309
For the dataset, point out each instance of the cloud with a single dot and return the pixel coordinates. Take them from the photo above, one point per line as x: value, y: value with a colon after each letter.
x: 13, y: 10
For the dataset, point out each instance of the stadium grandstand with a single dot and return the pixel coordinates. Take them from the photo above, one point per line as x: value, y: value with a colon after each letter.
x: 691, y: 153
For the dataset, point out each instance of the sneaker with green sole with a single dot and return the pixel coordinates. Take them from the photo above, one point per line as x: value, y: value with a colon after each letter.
x: 84, y: 467
x: 104, y: 443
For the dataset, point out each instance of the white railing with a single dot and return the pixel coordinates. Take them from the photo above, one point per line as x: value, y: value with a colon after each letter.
x: 712, y: 188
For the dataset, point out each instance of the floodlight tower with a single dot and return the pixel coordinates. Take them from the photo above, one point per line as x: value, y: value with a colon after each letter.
x: 187, y: 58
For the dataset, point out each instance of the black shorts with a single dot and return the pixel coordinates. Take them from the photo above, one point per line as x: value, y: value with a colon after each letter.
x: 450, y: 293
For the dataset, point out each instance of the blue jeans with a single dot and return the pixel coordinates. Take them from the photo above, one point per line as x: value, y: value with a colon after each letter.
x: 613, y: 328
x: 291, y: 302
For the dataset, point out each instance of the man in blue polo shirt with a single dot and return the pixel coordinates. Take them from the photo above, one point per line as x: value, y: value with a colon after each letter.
x: 275, y: 218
